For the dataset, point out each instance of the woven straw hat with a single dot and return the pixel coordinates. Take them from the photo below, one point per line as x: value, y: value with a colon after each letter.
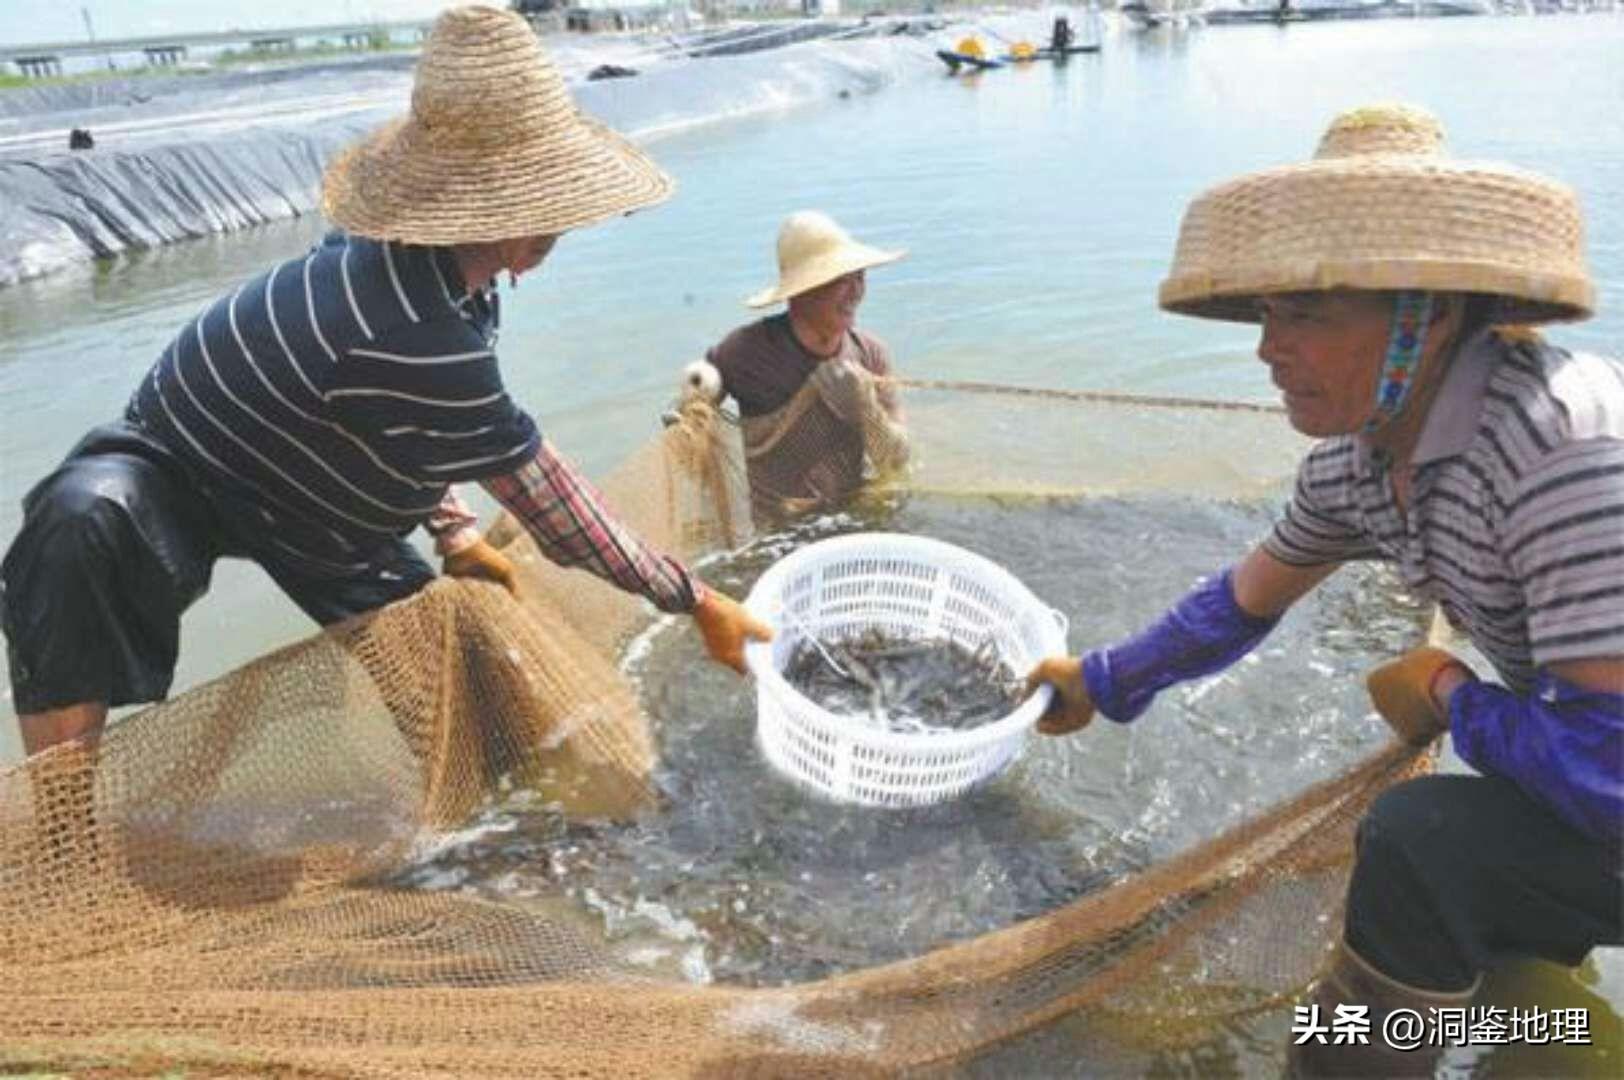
x: 494, y: 148
x: 1381, y: 207
x: 813, y: 251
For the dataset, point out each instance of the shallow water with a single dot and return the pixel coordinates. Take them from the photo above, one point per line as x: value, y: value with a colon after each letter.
x: 741, y: 876
x: 1039, y: 204
x: 1040, y: 207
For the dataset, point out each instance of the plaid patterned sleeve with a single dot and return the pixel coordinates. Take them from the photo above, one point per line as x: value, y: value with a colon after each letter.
x: 571, y: 523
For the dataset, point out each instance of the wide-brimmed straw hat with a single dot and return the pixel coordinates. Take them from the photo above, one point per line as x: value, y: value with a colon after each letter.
x: 813, y: 250
x: 1382, y: 207
x: 494, y: 148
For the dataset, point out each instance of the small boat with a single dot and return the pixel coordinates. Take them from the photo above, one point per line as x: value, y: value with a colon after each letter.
x: 1047, y: 52
x: 969, y: 54
x: 1070, y: 50
x: 1142, y: 15
x: 956, y: 60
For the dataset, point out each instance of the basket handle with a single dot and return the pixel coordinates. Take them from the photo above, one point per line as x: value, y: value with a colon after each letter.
x: 1061, y: 620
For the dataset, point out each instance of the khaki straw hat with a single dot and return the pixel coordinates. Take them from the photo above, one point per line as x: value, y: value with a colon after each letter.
x: 494, y: 148
x: 1382, y: 207
x: 813, y: 251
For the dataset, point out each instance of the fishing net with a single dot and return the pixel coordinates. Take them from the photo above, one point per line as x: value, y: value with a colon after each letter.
x: 214, y: 887
x: 809, y: 454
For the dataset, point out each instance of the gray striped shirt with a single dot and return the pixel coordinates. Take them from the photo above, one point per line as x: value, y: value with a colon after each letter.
x: 1516, y: 519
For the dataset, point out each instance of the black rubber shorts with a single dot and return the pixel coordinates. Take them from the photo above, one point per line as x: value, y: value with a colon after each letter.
x: 1455, y: 874
x: 115, y: 545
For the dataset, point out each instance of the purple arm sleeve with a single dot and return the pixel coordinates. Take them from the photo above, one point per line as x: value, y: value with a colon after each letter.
x: 1204, y: 632
x: 1563, y: 745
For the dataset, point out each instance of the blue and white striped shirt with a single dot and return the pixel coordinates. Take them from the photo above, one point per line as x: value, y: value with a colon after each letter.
x: 328, y: 403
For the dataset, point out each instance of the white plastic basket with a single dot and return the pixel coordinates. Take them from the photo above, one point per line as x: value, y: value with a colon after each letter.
x: 906, y: 586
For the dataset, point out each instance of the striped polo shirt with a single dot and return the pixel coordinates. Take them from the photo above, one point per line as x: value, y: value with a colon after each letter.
x: 327, y: 404
x: 1516, y: 519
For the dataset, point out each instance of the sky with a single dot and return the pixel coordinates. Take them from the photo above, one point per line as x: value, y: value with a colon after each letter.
x: 27, y: 22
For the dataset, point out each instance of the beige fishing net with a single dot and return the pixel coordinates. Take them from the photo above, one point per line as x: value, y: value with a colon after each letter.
x: 210, y: 890
x: 817, y: 449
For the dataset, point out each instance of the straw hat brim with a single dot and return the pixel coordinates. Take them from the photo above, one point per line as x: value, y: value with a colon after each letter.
x: 849, y: 258
x: 1234, y: 297
x: 1383, y: 222
x: 397, y: 184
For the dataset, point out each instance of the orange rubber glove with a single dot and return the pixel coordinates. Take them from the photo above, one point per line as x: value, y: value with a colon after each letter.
x: 1071, y: 708
x: 725, y: 625
x: 481, y: 560
x: 1403, y: 691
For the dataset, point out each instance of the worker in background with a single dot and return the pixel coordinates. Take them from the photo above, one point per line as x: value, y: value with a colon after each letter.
x: 1061, y: 37
x: 816, y: 403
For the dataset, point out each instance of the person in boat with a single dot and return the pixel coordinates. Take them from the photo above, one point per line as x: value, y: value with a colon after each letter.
x: 313, y: 417
x: 1485, y: 464
x: 1061, y: 37
x: 971, y: 47
x: 816, y: 405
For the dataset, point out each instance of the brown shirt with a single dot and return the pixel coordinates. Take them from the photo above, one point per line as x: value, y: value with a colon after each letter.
x: 806, y: 455
x: 763, y: 364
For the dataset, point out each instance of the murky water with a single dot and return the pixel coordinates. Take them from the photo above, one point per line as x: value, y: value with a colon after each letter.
x: 741, y: 876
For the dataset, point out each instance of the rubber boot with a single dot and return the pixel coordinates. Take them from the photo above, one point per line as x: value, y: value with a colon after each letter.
x: 1352, y: 980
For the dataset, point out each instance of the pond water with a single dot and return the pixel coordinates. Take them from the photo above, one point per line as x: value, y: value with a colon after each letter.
x: 1040, y: 206
x: 741, y: 876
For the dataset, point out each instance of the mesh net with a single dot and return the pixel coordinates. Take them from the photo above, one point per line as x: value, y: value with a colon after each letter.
x: 211, y: 886
x: 820, y: 447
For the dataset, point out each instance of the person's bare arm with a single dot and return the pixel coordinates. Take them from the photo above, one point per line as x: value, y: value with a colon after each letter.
x: 1266, y: 587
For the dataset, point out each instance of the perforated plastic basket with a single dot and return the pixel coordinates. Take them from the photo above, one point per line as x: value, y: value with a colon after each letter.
x: 906, y: 586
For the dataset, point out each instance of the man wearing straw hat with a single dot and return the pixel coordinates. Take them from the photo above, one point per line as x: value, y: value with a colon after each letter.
x: 1394, y: 286
x: 313, y: 417
x: 811, y: 408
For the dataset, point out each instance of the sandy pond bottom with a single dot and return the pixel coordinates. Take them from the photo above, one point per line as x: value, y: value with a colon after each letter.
x: 739, y: 876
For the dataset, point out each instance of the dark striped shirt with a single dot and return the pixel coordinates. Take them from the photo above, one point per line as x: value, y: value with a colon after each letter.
x: 1516, y: 519
x: 329, y: 402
